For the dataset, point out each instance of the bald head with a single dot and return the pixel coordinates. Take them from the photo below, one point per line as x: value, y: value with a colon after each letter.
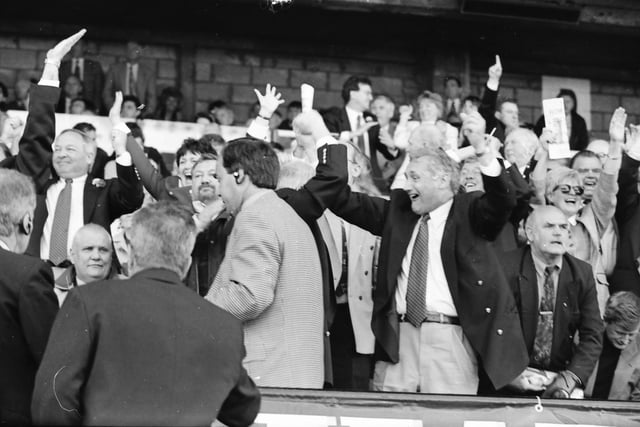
x: 91, y: 253
x: 547, y: 230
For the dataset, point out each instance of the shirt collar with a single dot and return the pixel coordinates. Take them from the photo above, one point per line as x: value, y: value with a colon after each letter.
x: 540, y: 265
x: 4, y: 246
x: 440, y: 214
x: 353, y: 114
x: 573, y: 220
x: 80, y: 180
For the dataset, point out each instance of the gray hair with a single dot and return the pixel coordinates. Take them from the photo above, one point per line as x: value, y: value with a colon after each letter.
x: 440, y: 162
x: 295, y: 173
x: 17, y: 199
x: 162, y: 235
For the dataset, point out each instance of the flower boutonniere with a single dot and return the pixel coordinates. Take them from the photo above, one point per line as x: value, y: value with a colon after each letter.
x: 99, y: 182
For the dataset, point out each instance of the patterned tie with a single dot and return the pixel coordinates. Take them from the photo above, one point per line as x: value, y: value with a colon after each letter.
x: 341, y: 290
x: 541, y: 356
x: 417, y: 281
x: 60, y: 227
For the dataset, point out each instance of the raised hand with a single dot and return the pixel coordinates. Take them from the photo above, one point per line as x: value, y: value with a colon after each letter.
x: 405, y: 112
x: 269, y: 102
x: 114, y: 112
x: 495, y: 71
x: 55, y: 54
x: 363, y: 129
x: 632, y: 143
x: 617, y: 124
x: 386, y: 138
x: 118, y: 141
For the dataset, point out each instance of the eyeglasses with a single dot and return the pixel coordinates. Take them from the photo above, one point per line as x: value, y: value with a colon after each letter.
x: 578, y: 190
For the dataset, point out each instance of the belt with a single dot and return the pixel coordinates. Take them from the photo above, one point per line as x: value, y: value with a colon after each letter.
x: 434, y: 318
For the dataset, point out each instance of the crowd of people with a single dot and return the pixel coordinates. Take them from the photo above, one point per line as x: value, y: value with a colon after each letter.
x: 438, y: 248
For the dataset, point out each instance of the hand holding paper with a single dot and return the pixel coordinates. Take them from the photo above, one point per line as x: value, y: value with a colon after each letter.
x: 269, y: 102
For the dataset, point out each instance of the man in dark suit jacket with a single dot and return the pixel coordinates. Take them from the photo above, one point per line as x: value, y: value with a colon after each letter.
x: 131, y: 78
x: 28, y: 304
x: 146, y: 350
x: 575, y: 308
x: 354, y: 121
x: 626, y: 275
x: 479, y: 294
x: 102, y: 201
x: 89, y: 72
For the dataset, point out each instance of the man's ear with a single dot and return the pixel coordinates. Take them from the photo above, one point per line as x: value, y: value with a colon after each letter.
x: 498, y: 115
x: 26, y: 225
x: 238, y: 176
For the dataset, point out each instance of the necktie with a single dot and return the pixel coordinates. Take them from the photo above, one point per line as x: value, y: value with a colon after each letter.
x: 60, y: 227
x: 341, y: 290
x: 417, y: 280
x: 541, y: 356
x: 132, y: 81
x: 360, y: 141
x: 76, y: 68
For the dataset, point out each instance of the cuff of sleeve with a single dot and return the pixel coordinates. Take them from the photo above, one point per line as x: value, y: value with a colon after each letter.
x: 259, y: 128
x: 122, y: 127
x: 328, y: 140
x: 124, y: 159
x: 493, y: 84
x: 493, y: 169
x: 634, y: 154
x: 52, y: 83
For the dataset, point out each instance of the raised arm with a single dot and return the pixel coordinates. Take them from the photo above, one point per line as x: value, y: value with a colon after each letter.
x: 604, y: 195
x: 490, y: 95
x: 34, y: 149
x: 490, y: 211
x: 628, y: 196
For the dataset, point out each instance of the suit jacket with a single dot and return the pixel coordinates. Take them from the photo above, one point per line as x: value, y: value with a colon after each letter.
x: 625, y: 276
x: 485, y: 304
x: 270, y: 279
x: 362, y: 248
x: 102, y: 203
x: 92, y: 82
x: 102, y: 158
x: 628, y: 363
x: 116, y: 79
x: 143, y: 351
x: 576, y: 310
x: 28, y: 307
x: 159, y: 186
x: 487, y: 110
x: 337, y: 120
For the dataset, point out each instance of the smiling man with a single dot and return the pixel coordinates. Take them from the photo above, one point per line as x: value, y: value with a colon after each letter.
x: 442, y: 312
x: 556, y: 297
x: 91, y: 255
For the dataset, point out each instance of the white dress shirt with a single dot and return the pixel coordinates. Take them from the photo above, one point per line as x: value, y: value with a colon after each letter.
x: 353, y: 122
x: 76, y: 216
x: 79, y: 63
x: 438, y: 296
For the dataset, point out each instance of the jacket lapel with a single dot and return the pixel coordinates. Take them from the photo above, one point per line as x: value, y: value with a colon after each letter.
x: 400, y: 237
x: 448, y: 254
x: 334, y: 254
x: 528, y: 304
x: 565, y: 295
x: 90, y: 199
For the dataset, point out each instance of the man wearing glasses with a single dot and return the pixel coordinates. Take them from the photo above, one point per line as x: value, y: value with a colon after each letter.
x: 592, y: 234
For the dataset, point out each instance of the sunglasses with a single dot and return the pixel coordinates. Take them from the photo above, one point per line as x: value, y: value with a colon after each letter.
x: 578, y: 190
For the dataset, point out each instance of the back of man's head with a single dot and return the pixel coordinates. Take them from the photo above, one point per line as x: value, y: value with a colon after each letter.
x: 295, y: 173
x: 17, y: 203
x: 161, y: 235
x: 256, y: 158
